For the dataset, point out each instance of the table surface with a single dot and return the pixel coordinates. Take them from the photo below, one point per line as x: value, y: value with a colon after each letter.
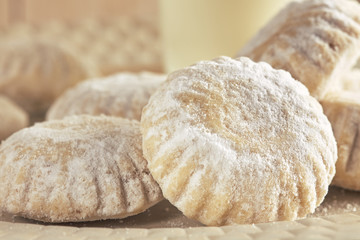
x: 338, y: 217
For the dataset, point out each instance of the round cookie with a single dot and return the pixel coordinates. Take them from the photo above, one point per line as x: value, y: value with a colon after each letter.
x: 12, y: 118
x: 80, y: 168
x: 231, y: 141
x: 343, y: 111
x: 34, y: 73
x: 123, y: 95
x: 315, y: 40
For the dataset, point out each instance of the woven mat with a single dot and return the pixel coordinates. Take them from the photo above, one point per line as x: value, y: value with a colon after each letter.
x: 337, y: 218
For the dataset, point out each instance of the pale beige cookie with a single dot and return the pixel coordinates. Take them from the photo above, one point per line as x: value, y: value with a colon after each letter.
x: 123, y: 95
x: 12, y: 118
x: 343, y: 111
x: 80, y: 168
x: 315, y: 40
x: 232, y: 141
x: 350, y: 81
x: 34, y: 73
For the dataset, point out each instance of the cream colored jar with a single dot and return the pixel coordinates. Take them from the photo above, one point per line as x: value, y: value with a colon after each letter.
x: 194, y: 30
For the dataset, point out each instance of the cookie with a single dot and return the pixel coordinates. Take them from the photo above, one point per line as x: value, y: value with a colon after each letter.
x: 123, y: 95
x: 80, y: 168
x: 106, y: 46
x: 12, y: 118
x: 343, y: 111
x: 315, y: 40
x: 231, y: 141
x: 33, y: 73
x: 121, y: 44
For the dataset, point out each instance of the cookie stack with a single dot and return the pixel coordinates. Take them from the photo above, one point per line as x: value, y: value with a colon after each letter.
x: 109, y: 46
x: 88, y: 165
x: 227, y: 141
x: 318, y: 42
x: 35, y: 72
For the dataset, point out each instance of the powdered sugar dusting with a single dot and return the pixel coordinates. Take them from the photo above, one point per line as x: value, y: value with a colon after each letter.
x: 254, y: 131
x: 76, y: 169
x: 315, y: 41
x: 123, y: 95
x: 33, y: 73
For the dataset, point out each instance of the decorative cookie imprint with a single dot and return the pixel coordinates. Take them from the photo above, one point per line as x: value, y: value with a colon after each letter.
x: 343, y: 111
x: 107, y: 46
x: 231, y: 141
x: 80, y: 168
x: 12, y: 118
x: 123, y: 95
x: 315, y: 40
x: 34, y: 73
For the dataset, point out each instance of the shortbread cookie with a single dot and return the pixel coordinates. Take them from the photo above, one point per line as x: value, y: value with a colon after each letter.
x: 12, y: 118
x: 343, y: 111
x: 122, y: 95
x: 120, y: 44
x: 80, y: 168
x: 123, y: 43
x: 34, y: 73
x: 232, y: 141
x: 315, y: 40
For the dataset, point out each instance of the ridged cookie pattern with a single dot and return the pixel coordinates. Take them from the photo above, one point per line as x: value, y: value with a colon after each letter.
x: 343, y: 110
x: 106, y: 46
x: 122, y: 95
x: 315, y: 40
x: 33, y: 73
x: 80, y: 168
x: 231, y: 141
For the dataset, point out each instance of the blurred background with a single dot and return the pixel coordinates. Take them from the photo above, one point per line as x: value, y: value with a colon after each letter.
x: 137, y: 35
x: 39, y: 11
x: 109, y: 35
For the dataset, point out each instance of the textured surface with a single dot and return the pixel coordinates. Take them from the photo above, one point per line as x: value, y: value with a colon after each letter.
x: 338, y: 213
x: 12, y: 118
x: 33, y: 73
x: 315, y: 40
x: 342, y: 226
x: 77, y: 169
x: 122, y: 95
x: 247, y: 138
x: 343, y: 111
x: 106, y: 47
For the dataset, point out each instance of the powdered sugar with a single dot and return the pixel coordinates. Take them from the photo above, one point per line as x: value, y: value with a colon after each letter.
x: 314, y: 40
x: 33, y: 73
x: 252, y: 131
x: 76, y: 169
x: 343, y: 111
x: 122, y: 95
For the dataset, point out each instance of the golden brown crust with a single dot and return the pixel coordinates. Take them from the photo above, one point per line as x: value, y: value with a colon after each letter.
x: 315, y: 40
